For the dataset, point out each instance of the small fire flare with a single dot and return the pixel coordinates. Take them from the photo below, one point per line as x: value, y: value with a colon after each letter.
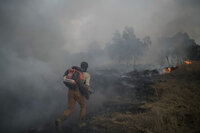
x: 188, y: 62
x: 166, y: 70
x: 169, y: 69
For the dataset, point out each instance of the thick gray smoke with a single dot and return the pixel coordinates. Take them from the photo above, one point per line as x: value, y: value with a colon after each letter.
x: 31, y: 57
x: 39, y: 39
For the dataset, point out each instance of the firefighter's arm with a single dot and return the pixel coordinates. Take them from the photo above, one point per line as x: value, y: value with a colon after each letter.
x: 83, y: 85
x: 87, y: 80
x: 84, y: 89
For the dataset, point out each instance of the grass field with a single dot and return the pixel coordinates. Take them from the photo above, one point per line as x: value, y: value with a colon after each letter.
x: 174, y: 107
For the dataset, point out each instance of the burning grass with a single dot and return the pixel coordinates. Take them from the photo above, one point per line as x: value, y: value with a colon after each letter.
x: 175, y: 107
x: 167, y: 103
x: 188, y: 62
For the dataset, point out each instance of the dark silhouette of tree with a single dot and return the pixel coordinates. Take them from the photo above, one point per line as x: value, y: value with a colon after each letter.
x: 126, y: 47
x: 180, y: 47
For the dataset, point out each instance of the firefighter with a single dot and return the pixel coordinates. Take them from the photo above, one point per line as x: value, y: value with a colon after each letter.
x: 76, y: 95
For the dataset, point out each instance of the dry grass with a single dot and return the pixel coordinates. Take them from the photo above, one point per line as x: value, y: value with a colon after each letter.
x: 116, y: 123
x: 175, y: 107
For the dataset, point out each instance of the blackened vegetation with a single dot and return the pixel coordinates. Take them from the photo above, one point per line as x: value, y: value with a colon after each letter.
x: 139, y: 82
x: 123, y: 93
x: 173, y: 108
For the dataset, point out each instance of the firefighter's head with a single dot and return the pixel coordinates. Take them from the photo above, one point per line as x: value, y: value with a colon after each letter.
x: 84, y: 66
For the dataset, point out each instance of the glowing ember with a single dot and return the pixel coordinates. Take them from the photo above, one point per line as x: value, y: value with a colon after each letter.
x: 188, y: 62
x: 167, y: 70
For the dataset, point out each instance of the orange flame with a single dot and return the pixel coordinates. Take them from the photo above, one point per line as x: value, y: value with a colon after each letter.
x: 167, y: 70
x: 188, y: 62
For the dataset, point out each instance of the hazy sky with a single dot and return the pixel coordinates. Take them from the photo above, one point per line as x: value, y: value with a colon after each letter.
x: 77, y: 23
x: 86, y: 21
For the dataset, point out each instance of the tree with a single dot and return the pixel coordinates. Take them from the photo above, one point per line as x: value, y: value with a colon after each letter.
x: 126, y: 47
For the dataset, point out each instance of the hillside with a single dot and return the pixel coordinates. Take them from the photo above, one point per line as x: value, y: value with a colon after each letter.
x: 173, y: 107
x: 146, y: 102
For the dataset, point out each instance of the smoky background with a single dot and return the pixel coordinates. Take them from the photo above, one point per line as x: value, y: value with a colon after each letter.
x: 40, y: 39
